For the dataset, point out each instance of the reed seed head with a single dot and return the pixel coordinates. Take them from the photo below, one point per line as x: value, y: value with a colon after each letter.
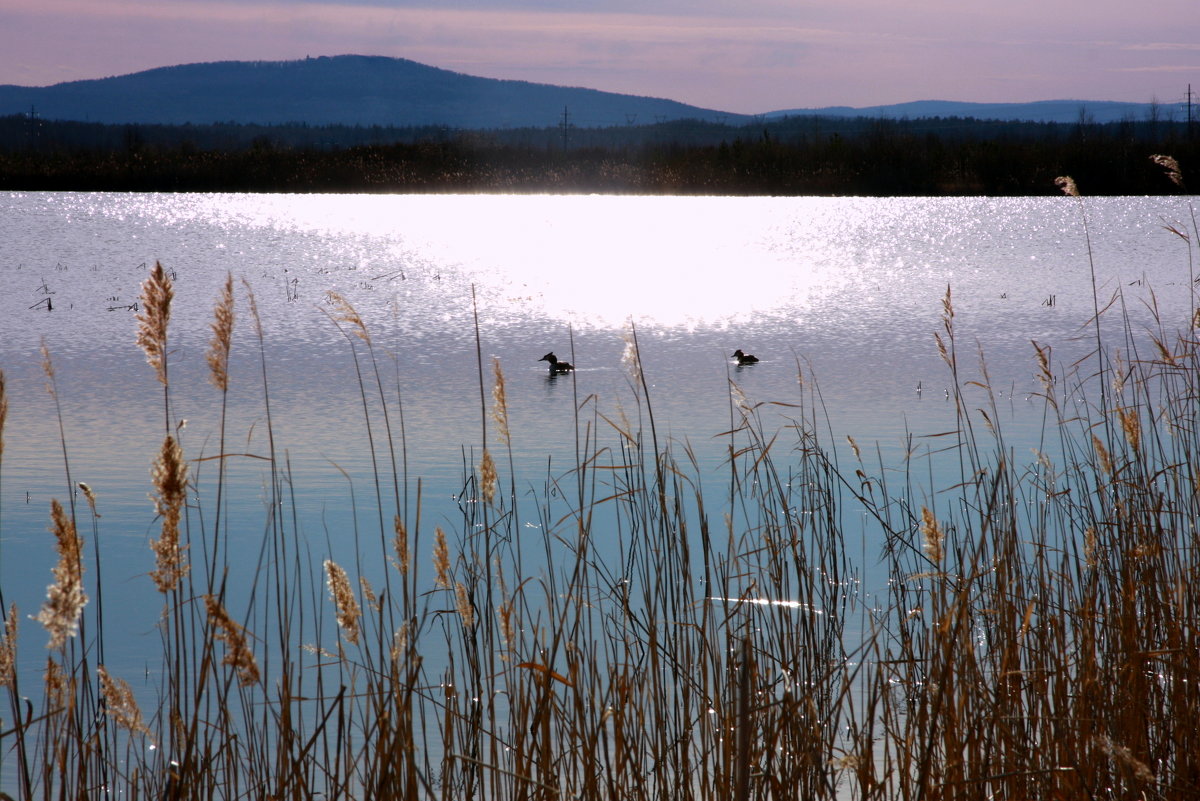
x: 1171, y: 167
x: 153, y: 318
x: 1067, y: 184
x: 348, y: 611
x: 8, y: 649
x: 1102, y: 454
x: 400, y: 546
x: 65, y: 598
x: 499, y: 402
x: 121, y: 705
x: 1131, y: 425
x: 932, y: 536
x: 466, y: 609
x: 222, y: 338
x: 441, y: 558
x: 487, y: 476
x: 90, y: 496
x: 237, y: 653
x: 169, y: 477
x: 345, y: 313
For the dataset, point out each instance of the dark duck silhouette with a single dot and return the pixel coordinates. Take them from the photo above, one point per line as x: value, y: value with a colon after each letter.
x: 743, y: 358
x: 556, y: 366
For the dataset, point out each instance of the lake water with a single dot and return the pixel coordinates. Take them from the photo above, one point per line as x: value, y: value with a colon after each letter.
x: 844, y: 291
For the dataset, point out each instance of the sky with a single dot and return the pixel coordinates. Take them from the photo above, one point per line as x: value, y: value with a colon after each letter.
x: 740, y: 56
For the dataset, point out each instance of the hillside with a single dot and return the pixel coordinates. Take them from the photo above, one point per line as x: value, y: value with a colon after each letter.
x: 338, y: 90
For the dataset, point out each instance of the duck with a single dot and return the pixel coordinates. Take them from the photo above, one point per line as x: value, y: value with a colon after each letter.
x: 743, y: 358
x: 556, y: 366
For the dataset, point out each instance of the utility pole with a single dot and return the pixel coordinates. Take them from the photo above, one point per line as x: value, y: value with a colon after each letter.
x: 564, y: 127
x: 1189, y: 113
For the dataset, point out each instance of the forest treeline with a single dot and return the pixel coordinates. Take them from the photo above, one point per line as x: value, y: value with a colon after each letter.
x: 803, y: 155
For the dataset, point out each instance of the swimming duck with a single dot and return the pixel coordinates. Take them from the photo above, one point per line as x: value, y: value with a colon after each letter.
x: 555, y: 365
x: 743, y: 358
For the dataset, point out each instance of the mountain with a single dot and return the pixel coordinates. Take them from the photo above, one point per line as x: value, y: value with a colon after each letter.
x: 337, y: 90
x: 1069, y: 111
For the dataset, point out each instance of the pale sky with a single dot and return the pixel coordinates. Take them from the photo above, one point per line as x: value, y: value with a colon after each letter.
x: 743, y: 56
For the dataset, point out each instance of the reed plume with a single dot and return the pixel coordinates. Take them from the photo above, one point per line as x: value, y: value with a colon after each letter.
x: 466, y: 610
x: 120, y: 702
x: 499, y: 402
x: 345, y: 313
x: 156, y: 296
x: 1067, y: 184
x: 222, y: 338
x: 348, y: 611
x: 8, y: 649
x: 932, y: 536
x: 441, y: 558
x: 169, y: 476
x: 1171, y: 166
x: 65, y: 598
x: 488, y: 476
x: 90, y: 496
x: 237, y: 653
x: 400, y: 545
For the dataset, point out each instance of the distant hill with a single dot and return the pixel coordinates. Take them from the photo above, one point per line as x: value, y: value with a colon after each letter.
x: 337, y: 90
x: 1097, y: 111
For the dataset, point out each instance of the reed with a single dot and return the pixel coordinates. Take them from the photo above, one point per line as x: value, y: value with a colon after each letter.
x: 662, y: 639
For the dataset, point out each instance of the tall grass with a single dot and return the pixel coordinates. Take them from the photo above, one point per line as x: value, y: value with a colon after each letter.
x: 660, y: 638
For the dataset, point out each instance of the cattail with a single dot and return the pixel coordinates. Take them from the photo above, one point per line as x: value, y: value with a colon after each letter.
x: 348, y: 612
x: 499, y: 402
x: 345, y: 313
x: 237, y: 652
x: 441, y: 558
x: 1067, y: 184
x: 932, y: 536
x: 463, y: 602
x: 169, y: 476
x: 400, y: 545
x: 487, y: 476
x: 152, y: 320
x: 222, y: 339
x: 1172, y: 168
x: 65, y: 598
x: 8, y: 649
x: 121, y: 705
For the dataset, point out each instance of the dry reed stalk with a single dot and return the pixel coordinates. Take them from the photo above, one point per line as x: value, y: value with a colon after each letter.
x: 222, y: 339
x: 65, y: 598
x: 121, y: 705
x: 488, y: 476
x: 8, y: 649
x: 157, y: 293
x: 441, y: 559
x: 169, y: 476
x: 499, y: 402
x: 400, y: 546
x: 237, y: 653
x: 348, y: 611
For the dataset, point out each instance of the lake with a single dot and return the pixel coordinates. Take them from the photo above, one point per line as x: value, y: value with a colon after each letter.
x: 840, y: 299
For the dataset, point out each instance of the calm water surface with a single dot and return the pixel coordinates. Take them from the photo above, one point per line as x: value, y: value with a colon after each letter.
x: 845, y: 291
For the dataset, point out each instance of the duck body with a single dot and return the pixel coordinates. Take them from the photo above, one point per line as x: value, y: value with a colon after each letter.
x: 556, y: 366
x: 743, y: 358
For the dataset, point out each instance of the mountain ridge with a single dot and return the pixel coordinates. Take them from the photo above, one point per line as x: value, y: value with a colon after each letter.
x: 386, y: 91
